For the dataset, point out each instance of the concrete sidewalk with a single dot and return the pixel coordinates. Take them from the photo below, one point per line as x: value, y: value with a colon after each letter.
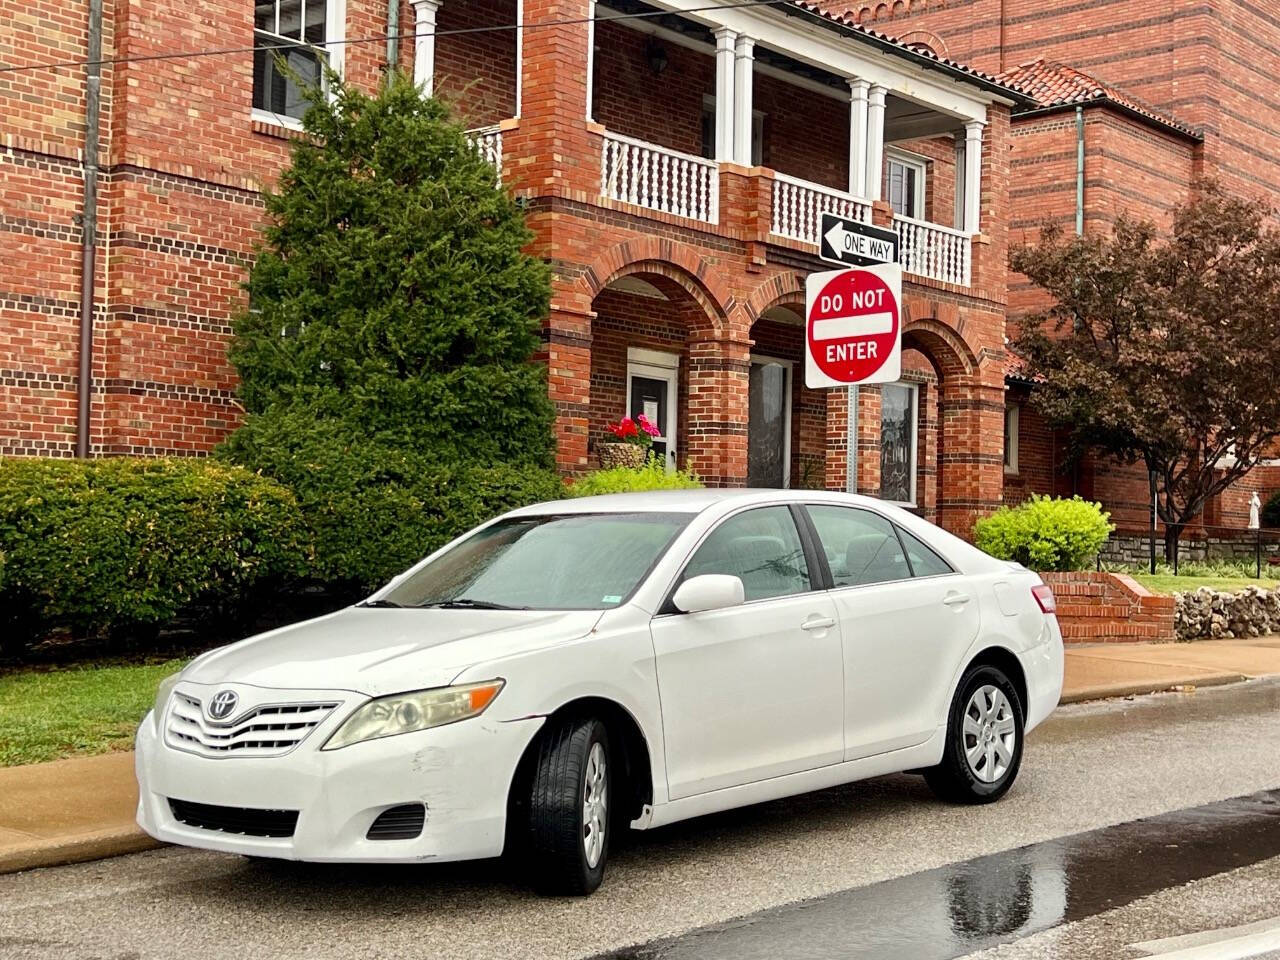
x: 82, y: 809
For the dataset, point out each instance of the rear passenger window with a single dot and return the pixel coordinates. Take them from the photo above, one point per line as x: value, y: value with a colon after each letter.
x: 924, y: 562
x: 861, y: 546
x: 760, y: 547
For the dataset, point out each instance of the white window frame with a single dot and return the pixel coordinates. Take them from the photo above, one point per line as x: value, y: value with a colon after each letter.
x: 920, y: 164
x: 763, y: 359
x: 335, y: 19
x: 914, y: 417
x: 757, y: 130
x: 658, y: 365
x: 1013, y: 421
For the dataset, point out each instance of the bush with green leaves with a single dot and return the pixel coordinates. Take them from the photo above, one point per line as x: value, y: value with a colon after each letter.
x: 652, y: 476
x: 1270, y: 516
x: 1046, y: 533
x: 104, y: 546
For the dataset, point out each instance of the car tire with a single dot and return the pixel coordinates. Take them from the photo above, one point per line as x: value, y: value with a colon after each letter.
x: 983, y: 751
x: 568, y: 839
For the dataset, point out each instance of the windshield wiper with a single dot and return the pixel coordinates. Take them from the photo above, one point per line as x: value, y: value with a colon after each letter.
x: 466, y: 603
x: 381, y: 603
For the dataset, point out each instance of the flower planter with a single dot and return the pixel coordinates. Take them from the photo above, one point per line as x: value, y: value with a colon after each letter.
x: 621, y: 455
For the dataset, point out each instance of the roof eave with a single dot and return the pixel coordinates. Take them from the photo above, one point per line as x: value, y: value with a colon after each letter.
x: 1186, y: 133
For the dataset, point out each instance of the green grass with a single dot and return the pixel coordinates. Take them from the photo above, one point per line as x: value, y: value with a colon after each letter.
x: 1168, y: 583
x: 76, y: 711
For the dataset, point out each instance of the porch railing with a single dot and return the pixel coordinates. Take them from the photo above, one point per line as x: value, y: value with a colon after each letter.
x: 651, y: 176
x: 488, y: 141
x: 934, y: 251
x: 797, y: 204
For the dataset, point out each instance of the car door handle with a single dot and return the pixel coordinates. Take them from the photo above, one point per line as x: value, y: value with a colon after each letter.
x: 955, y: 599
x: 817, y: 623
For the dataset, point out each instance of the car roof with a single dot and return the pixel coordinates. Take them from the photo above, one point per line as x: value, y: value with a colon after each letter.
x: 688, y: 501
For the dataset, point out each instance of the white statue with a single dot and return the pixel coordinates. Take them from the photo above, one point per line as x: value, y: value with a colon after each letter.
x: 1255, y: 504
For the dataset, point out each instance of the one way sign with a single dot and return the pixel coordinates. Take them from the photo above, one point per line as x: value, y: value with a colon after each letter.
x: 850, y: 243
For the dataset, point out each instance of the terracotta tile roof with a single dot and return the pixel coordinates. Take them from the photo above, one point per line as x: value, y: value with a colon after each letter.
x: 847, y: 22
x: 1053, y: 84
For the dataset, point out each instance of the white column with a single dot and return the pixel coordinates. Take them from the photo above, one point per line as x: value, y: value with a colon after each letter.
x: 743, y: 122
x: 858, y: 136
x: 591, y: 54
x: 424, y: 43
x: 520, y: 53
x: 875, y: 141
x: 972, y: 174
x: 724, y: 93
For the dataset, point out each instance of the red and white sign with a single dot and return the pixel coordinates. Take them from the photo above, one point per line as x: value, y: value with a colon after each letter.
x: 853, y: 324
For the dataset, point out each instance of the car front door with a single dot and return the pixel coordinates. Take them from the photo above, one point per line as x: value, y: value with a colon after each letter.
x: 753, y: 691
x: 906, y: 618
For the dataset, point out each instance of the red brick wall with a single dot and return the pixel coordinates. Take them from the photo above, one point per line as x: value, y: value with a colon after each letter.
x: 477, y: 70
x: 1109, y: 608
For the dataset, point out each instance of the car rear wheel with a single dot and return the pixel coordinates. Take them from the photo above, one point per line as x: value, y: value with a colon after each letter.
x: 569, y: 808
x: 984, y: 740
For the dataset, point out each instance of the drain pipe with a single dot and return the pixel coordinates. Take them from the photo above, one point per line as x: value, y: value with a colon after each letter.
x: 393, y: 36
x: 1079, y: 171
x: 89, y: 223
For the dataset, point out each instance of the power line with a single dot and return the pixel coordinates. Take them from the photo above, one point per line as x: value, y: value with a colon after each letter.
x: 384, y: 37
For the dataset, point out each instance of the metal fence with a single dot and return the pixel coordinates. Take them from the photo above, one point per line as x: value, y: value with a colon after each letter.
x: 1199, y: 543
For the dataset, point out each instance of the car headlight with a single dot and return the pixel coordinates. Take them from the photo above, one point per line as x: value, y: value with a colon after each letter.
x: 162, y: 697
x: 420, y: 710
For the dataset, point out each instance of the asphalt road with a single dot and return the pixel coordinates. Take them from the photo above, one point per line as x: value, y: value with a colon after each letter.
x: 1091, y: 765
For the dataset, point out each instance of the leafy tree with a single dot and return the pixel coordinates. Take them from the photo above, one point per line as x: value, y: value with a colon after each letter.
x: 386, y: 359
x: 1163, y: 350
x: 391, y: 295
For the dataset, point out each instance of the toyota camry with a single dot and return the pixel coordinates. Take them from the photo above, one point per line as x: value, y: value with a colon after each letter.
x: 579, y: 667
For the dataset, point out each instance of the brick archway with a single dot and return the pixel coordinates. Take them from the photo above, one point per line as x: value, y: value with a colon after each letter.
x: 783, y: 288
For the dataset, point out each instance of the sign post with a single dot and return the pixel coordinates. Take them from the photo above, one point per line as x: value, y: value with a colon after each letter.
x: 853, y: 326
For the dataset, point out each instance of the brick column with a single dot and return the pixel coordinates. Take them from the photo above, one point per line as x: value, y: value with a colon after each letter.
x: 567, y: 354
x: 717, y: 411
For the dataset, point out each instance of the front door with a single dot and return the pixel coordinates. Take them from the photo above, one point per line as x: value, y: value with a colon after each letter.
x: 652, y: 384
x: 769, y: 423
x: 754, y: 691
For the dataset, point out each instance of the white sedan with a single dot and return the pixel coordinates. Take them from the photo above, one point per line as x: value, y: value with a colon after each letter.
x: 576, y: 667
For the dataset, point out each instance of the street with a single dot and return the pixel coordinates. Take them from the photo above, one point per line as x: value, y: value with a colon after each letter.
x: 889, y: 871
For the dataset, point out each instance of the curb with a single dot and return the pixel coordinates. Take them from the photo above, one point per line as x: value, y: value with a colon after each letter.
x: 1137, y: 689
x: 86, y: 846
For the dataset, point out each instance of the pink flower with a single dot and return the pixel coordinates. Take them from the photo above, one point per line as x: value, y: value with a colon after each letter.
x: 647, y: 426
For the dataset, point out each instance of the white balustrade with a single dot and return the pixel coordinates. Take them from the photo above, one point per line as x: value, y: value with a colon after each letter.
x: 797, y: 205
x: 651, y: 176
x: 934, y: 251
x: 488, y: 140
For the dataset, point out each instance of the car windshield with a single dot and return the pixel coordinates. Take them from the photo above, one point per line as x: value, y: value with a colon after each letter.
x: 556, y: 562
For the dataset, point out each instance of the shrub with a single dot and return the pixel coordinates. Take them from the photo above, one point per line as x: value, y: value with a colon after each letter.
x: 373, y: 509
x: 1270, y: 516
x: 1046, y: 533
x: 652, y: 476
x: 102, y: 546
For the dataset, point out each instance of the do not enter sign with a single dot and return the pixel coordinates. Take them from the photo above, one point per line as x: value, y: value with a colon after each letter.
x: 853, y: 326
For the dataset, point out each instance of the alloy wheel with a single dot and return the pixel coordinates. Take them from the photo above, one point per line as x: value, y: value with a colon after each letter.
x: 989, y: 733
x: 595, y: 802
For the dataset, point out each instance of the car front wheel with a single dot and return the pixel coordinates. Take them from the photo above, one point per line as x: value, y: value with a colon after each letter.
x: 569, y: 808
x: 984, y: 740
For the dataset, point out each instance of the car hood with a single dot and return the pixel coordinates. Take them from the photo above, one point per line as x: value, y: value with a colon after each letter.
x: 376, y: 651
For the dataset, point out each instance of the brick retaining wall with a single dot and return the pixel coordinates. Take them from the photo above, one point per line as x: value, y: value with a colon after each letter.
x: 1109, y: 608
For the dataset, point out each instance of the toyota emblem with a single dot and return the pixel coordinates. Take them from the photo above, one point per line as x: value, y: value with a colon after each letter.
x: 222, y: 704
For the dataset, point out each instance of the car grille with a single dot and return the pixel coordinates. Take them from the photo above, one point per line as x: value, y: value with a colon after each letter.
x: 266, y: 731
x: 245, y: 821
x: 399, y: 823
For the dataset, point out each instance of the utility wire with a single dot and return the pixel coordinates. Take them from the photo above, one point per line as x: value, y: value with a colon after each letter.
x: 384, y: 37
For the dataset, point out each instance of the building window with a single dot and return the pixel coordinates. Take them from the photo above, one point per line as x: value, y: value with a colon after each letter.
x: 709, y: 131
x: 898, y: 443
x: 277, y: 94
x: 1011, y: 416
x: 904, y: 183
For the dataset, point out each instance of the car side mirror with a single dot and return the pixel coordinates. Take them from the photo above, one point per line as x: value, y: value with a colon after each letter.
x: 710, y: 591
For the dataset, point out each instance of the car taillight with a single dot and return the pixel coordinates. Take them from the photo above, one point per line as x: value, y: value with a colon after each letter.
x: 1044, y: 597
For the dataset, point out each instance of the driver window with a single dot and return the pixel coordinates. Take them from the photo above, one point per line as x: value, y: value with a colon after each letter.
x: 760, y: 547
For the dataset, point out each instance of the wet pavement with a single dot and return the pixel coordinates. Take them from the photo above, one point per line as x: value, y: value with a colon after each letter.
x: 969, y: 906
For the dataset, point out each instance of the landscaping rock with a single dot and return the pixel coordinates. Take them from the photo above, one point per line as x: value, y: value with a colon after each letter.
x: 1208, y: 613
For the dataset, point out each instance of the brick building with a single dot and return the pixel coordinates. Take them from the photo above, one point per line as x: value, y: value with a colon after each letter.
x: 1133, y: 103
x: 672, y: 178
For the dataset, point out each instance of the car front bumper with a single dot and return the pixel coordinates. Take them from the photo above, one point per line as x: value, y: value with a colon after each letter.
x: 461, y: 772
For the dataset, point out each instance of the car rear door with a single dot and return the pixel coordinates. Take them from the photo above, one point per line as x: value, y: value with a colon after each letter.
x: 753, y: 691
x: 906, y: 618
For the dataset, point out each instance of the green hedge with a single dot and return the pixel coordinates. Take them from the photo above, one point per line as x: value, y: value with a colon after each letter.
x: 652, y: 476
x: 102, y: 546
x: 1045, y: 533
